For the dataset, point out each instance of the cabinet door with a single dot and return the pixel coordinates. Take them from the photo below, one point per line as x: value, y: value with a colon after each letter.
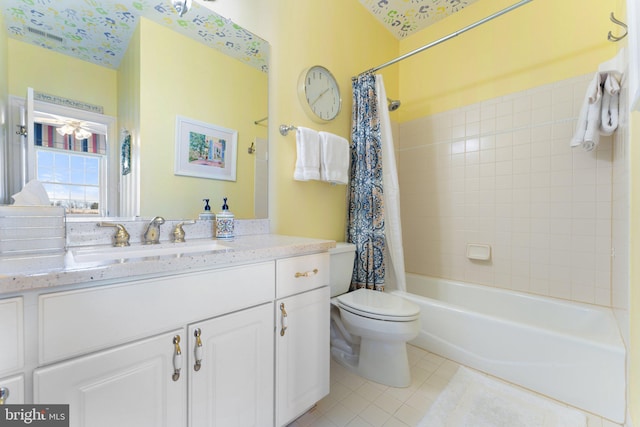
x: 127, y: 386
x: 302, y: 353
x: 11, y: 335
x: 232, y: 386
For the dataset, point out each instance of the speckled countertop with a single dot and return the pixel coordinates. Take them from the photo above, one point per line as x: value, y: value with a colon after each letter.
x: 55, y: 270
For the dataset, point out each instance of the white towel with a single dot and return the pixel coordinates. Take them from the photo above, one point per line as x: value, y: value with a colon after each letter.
x: 587, y: 131
x: 308, y: 155
x: 592, y: 133
x: 610, y: 102
x: 334, y: 158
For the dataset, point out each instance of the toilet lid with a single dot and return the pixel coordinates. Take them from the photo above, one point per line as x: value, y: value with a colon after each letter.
x: 379, y: 305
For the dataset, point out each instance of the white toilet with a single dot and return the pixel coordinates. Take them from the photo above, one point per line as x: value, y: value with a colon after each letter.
x: 369, y: 329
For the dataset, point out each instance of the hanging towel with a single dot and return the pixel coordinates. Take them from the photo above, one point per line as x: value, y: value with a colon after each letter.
x: 334, y: 158
x: 610, y: 102
x: 587, y: 131
x: 308, y: 155
x: 592, y: 133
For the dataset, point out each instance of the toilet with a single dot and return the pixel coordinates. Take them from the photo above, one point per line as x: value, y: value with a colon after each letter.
x: 369, y: 329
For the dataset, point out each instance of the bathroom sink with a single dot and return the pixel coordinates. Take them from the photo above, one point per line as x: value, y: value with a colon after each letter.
x: 109, y: 253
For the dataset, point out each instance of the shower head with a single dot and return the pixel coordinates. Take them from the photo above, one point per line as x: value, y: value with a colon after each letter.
x: 393, y: 104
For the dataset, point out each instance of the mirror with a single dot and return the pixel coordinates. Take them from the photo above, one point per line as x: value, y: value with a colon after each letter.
x: 163, y: 73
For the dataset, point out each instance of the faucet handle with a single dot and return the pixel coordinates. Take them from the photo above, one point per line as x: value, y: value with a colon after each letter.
x: 121, y: 238
x: 178, y: 231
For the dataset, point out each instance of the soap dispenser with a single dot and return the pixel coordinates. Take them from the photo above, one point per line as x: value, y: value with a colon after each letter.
x: 224, y: 222
x: 207, y: 214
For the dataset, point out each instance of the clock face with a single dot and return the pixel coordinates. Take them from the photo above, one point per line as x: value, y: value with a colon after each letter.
x: 320, y: 94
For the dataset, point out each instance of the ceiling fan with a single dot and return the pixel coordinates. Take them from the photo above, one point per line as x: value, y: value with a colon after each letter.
x: 68, y: 126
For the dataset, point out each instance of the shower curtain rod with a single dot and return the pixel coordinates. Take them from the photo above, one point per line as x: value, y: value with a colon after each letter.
x: 445, y: 38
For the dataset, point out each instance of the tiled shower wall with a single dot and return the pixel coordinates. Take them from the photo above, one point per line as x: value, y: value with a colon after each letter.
x: 502, y: 173
x: 620, y: 219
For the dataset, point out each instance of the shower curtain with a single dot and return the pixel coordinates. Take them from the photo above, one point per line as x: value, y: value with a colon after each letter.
x: 374, y: 205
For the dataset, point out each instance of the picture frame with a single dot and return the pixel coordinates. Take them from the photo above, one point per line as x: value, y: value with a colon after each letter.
x: 205, y: 150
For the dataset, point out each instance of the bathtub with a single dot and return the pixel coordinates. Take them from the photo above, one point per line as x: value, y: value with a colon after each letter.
x: 569, y: 351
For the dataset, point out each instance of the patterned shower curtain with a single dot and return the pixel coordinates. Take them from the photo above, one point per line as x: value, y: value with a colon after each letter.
x: 365, y: 225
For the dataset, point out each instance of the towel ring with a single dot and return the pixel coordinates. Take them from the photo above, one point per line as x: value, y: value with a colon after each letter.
x: 613, y: 38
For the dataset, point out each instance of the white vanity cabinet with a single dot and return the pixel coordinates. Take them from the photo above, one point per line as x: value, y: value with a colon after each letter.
x: 244, y: 344
x: 302, y: 334
x: 114, y: 350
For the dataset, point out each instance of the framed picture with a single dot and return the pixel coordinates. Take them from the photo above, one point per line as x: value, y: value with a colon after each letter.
x: 204, y: 150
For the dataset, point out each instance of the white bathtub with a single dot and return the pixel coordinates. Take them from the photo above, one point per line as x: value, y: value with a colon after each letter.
x: 568, y: 351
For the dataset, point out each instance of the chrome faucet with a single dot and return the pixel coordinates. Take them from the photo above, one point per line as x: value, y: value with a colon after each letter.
x: 151, y: 234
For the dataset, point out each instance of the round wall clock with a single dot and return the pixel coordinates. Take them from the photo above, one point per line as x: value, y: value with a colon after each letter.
x: 319, y: 94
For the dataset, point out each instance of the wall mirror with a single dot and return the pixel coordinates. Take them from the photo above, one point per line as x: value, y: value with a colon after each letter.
x: 177, y: 60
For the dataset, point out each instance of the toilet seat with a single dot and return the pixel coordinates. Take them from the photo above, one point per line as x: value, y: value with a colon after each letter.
x: 378, y: 305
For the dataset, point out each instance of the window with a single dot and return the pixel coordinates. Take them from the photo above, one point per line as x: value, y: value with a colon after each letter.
x: 70, y: 168
x: 73, y: 151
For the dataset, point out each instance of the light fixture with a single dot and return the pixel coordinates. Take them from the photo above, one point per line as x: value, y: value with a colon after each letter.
x: 65, y: 130
x: 82, y: 134
x: 68, y: 129
x: 181, y: 6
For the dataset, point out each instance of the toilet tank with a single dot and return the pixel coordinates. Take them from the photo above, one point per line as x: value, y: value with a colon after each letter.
x: 341, y: 262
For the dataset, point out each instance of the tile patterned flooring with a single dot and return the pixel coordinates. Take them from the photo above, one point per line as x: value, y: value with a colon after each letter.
x: 357, y: 402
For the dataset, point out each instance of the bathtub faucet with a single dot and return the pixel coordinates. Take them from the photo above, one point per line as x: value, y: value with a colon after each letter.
x: 151, y: 234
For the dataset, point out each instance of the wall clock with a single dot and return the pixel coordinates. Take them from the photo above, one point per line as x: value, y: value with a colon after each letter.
x: 319, y: 94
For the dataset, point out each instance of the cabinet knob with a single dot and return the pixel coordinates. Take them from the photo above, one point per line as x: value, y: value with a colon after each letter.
x: 4, y: 395
x: 283, y: 317
x: 198, y: 350
x: 177, y: 358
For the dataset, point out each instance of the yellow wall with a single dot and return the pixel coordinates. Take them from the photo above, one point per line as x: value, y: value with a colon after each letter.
x: 539, y: 43
x: 33, y: 66
x: 183, y: 77
x: 345, y: 38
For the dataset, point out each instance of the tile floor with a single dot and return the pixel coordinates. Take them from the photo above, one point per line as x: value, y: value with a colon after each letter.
x: 357, y: 402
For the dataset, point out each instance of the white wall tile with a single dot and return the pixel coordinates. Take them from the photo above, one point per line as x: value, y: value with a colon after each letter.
x: 541, y: 115
x: 503, y: 172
